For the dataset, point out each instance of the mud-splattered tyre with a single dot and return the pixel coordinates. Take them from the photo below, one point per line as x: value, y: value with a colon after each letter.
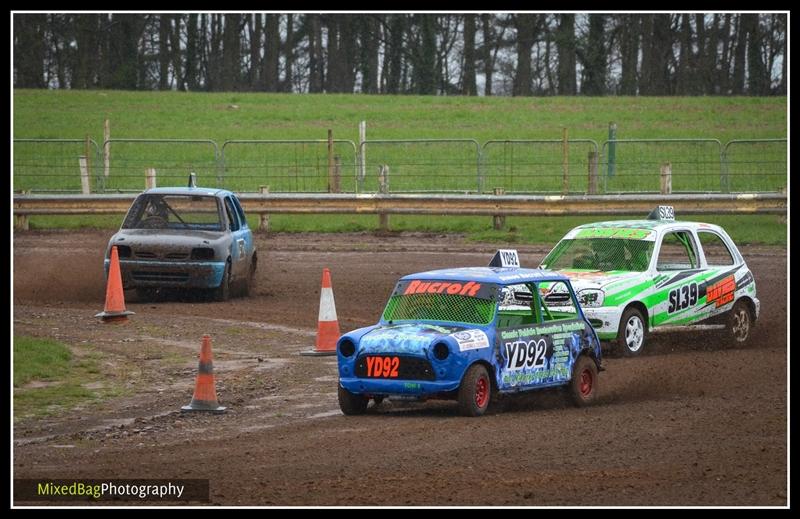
x: 249, y: 287
x: 583, y: 386
x: 632, y: 333
x: 740, y: 324
x: 223, y: 291
x: 475, y: 392
x: 352, y: 404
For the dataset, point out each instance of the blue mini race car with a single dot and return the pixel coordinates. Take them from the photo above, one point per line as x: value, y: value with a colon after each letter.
x: 469, y: 334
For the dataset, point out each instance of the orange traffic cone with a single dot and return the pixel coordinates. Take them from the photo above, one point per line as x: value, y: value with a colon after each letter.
x: 114, y: 311
x: 205, y: 390
x: 328, y: 325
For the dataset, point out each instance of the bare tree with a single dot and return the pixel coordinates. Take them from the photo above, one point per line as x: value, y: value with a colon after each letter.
x: 272, y: 42
x: 526, y: 25
x: 468, y: 84
x: 565, y: 41
x: 594, y: 63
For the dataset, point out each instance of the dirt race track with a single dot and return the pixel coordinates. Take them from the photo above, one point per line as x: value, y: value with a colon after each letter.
x: 691, y: 422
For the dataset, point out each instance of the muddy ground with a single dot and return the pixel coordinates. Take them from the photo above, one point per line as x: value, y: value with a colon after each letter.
x: 693, y: 421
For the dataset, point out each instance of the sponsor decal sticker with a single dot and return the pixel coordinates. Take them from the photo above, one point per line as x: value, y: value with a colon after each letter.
x: 682, y: 298
x: 721, y: 292
x: 469, y: 288
x: 471, y: 340
x: 612, y: 232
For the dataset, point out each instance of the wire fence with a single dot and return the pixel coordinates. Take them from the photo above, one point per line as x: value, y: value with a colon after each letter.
x: 298, y: 166
x: 695, y: 164
x: 755, y: 165
x: 406, y: 166
x: 54, y: 165
x: 422, y: 165
x: 173, y: 160
x: 539, y: 166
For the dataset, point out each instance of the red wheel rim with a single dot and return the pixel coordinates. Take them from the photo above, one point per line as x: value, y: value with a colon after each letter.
x: 586, y: 383
x: 481, y: 392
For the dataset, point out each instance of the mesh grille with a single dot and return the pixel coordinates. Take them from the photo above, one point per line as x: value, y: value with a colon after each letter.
x: 604, y: 254
x: 439, y: 307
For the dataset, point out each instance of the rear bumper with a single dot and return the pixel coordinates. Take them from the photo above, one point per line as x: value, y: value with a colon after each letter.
x: 178, y: 274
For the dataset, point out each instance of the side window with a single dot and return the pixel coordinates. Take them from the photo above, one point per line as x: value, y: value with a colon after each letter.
x: 556, y: 302
x: 230, y: 211
x: 717, y: 253
x: 516, y: 306
x: 239, y: 211
x: 678, y: 252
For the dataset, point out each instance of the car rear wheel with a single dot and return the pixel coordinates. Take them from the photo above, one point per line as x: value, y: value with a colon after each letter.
x: 583, y: 386
x: 250, y: 281
x: 352, y: 404
x: 740, y: 323
x: 223, y: 291
x: 475, y: 392
x: 632, y: 333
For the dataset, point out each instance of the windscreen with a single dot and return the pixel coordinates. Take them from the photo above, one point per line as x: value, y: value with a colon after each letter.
x: 603, y: 254
x: 442, y: 301
x: 174, y: 212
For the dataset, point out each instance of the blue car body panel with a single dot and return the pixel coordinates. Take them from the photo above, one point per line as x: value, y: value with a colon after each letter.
x: 520, y: 358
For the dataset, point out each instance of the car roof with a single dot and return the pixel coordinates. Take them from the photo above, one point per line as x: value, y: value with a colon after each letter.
x: 498, y: 275
x: 197, y: 191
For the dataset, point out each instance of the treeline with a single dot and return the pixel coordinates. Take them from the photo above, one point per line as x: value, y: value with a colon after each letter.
x: 437, y: 54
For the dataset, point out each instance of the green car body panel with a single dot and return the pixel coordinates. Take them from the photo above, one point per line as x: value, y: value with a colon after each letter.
x: 675, y: 273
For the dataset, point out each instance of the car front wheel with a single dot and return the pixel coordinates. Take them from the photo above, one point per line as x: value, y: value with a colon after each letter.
x: 632, y: 332
x: 223, y: 291
x: 352, y: 404
x: 475, y: 392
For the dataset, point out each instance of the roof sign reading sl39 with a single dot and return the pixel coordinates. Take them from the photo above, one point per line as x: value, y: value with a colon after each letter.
x: 505, y: 258
x: 662, y: 212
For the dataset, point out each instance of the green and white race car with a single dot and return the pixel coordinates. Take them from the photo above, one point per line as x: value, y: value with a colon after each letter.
x: 637, y: 276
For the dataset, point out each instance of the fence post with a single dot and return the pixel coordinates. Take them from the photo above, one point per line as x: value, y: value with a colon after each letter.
x: 666, y: 178
x: 612, y: 149
x: 149, y: 178
x: 362, y: 159
x: 383, y: 188
x: 724, y: 179
x: 337, y: 173
x: 330, y: 159
x: 499, y: 221
x: 263, y: 220
x: 87, y: 152
x: 83, y: 163
x: 21, y: 221
x: 592, y: 173
x: 106, y: 149
x: 565, y: 162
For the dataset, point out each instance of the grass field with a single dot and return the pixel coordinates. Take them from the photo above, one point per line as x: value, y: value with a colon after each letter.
x: 763, y: 229
x: 49, y: 377
x: 439, y: 166
x: 452, y: 166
